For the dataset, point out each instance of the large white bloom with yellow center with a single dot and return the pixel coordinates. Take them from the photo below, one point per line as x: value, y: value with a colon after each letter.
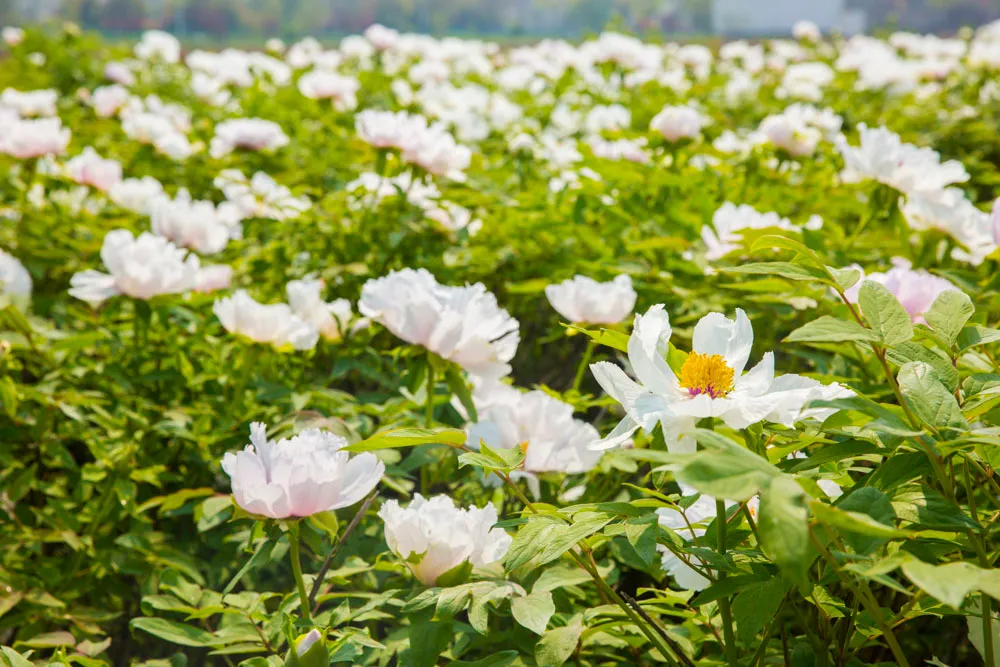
x: 711, y: 382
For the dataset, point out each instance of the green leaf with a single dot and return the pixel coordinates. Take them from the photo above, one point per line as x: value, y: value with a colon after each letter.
x: 904, y: 353
x: 976, y: 335
x: 174, y: 632
x: 409, y: 437
x: 929, y: 398
x: 493, y: 459
x: 49, y: 640
x: 607, y: 337
x: 788, y: 270
x: 949, y: 313
x: 641, y: 534
x: 845, y: 278
x: 543, y: 538
x: 533, y: 611
x: 860, y: 523
x: 725, y: 469
x: 951, y: 582
x: 558, y: 644
x: 929, y: 509
x: 770, y: 241
x: 757, y: 605
x: 13, y: 658
x: 260, y: 556
x: 829, y: 329
x: 784, y: 529
x: 884, y: 313
x: 499, y: 659
x: 429, y: 638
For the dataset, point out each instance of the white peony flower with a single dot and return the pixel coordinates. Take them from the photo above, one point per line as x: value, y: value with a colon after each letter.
x: 15, y: 281
x: 25, y: 139
x: 678, y: 122
x: 806, y: 31
x: 274, y: 324
x: 30, y: 103
x: 915, y: 290
x: 156, y: 44
x: 141, y: 268
x: 790, y: 134
x: 12, y: 36
x: 461, y: 324
x: 136, y: 194
x: 711, y: 382
x: 951, y: 212
x: 255, y: 134
x: 331, y: 319
x: 261, y: 196
x: 299, y: 476
x: 89, y: 168
x: 433, y: 536
x: 884, y: 157
x: 689, y: 523
x: 423, y: 194
x: 542, y: 426
x: 199, y: 225
x: 107, y: 100
x: 583, y: 300
x: 321, y: 85
x: 454, y: 217
x: 723, y: 236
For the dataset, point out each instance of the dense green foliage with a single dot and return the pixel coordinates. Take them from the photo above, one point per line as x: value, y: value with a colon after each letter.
x: 119, y: 539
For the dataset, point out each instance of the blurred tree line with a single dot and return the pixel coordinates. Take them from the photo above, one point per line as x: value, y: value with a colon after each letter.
x: 294, y: 18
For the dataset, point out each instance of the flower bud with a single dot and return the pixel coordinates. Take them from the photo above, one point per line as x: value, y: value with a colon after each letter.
x: 309, y: 651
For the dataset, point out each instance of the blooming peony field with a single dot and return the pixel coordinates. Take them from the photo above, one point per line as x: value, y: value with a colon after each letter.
x: 417, y: 351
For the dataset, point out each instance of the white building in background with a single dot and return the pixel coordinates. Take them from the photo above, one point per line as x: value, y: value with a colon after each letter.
x: 776, y: 17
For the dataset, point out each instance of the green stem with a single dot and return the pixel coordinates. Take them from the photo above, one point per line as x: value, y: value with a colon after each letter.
x: 300, y: 584
x: 584, y: 364
x: 602, y: 585
x: 732, y: 654
x: 863, y: 593
x: 429, y: 403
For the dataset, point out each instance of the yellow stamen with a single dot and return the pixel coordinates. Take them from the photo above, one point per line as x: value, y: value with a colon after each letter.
x: 524, y: 447
x: 706, y: 374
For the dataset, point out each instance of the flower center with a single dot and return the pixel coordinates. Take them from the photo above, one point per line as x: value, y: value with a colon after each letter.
x: 706, y: 374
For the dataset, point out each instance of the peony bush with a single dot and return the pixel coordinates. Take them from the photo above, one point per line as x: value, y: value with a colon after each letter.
x: 415, y: 351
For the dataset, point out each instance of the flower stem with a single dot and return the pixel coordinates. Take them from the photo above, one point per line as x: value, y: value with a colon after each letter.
x: 584, y: 364
x: 429, y: 403
x: 732, y: 654
x: 300, y: 584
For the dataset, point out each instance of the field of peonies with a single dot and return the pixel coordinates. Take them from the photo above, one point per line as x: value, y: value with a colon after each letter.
x: 414, y: 351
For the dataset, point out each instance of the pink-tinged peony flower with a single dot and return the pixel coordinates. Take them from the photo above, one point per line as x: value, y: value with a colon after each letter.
x: 381, y: 37
x: 26, y: 139
x: 89, y: 168
x: 321, y: 85
x: 255, y: 134
x: 432, y: 536
x: 119, y: 73
x: 916, y: 290
x: 12, y: 36
x: 214, y: 277
x: 299, y: 476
